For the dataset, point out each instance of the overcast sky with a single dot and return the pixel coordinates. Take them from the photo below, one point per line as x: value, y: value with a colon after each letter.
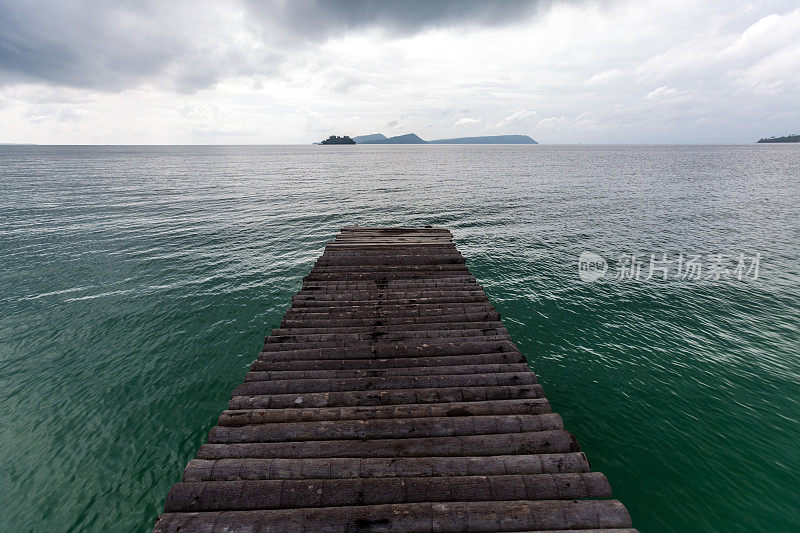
x: 207, y: 72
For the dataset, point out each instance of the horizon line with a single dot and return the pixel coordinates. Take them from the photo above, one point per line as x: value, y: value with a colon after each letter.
x: 539, y: 143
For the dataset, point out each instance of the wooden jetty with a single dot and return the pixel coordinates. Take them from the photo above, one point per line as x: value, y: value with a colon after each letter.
x: 391, y: 398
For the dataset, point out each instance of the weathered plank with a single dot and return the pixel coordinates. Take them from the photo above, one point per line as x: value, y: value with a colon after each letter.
x: 524, y: 515
x: 243, y: 417
x: 356, y: 467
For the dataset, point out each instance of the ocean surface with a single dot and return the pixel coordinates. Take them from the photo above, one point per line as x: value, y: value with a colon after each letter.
x: 137, y: 284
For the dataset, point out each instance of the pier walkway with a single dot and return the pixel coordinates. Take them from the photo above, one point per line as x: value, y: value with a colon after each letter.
x: 391, y: 398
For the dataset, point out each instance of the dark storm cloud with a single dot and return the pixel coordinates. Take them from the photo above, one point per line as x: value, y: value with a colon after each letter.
x: 320, y: 19
x: 94, y: 44
x: 85, y: 44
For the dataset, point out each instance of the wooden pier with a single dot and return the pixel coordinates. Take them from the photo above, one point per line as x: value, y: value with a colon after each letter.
x: 391, y: 398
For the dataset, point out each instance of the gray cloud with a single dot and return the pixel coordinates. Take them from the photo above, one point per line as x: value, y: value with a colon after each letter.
x: 320, y: 19
x: 83, y: 44
x: 98, y: 45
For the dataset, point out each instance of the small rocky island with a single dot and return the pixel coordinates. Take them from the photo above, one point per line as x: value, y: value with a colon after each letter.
x: 335, y: 139
x: 794, y: 138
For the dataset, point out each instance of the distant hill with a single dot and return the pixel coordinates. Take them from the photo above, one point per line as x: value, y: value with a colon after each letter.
x: 369, y: 138
x: 408, y: 138
x: 412, y: 138
x: 794, y: 138
x: 489, y: 139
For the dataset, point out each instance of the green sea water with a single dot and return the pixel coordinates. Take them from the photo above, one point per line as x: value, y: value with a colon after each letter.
x: 137, y: 284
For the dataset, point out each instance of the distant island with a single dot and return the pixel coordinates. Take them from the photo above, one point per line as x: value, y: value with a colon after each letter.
x: 413, y: 138
x: 408, y: 138
x: 490, y: 139
x: 793, y: 138
x: 335, y: 139
x: 361, y: 139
